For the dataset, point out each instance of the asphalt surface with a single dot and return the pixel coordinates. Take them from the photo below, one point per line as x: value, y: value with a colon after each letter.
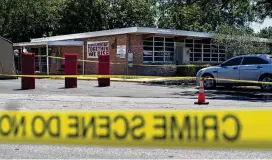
x: 51, y: 95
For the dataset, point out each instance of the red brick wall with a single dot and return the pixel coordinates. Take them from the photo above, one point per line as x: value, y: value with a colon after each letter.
x: 59, y: 52
x: 134, y: 41
x: 91, y: 68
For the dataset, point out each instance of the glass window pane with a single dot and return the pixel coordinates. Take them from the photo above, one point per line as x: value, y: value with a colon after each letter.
x: 169, y: 49
x: 214, y: 55
x: 169, y: 44
x: 206, y: 59
x: 253, y: 60
x: 233, y: 62
x: 158, y: 59
x: 197, y: 50
x: 159, y: 49
x: 158, y: 53
x: 189, y: 45
x: 159, y: 44
x: 206, y: 55
x: 191, y: 59
x: 150, y: 59
x: 197, y: 54
x: 159, y: 39
x: 198, y: 46
x: 198, y: 41
x: 148, y: 53
x: 169, y: 40
x: 207, y: 50
x: 169, y: 53
x: 147, y: 43
x: 214, y: 59
x: 189, y: 41
x: 197, y: 59
x: 207, y: 46
x: 222, y: 55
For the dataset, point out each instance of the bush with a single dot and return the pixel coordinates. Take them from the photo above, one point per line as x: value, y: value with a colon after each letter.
x: 189, y: 70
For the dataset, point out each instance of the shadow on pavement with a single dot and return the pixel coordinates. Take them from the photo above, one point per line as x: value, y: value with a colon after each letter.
x: 239, y: 94
x: 251, y: 94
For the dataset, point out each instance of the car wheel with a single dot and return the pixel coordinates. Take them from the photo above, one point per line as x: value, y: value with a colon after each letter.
x: 208, y: 81
x: 264, y: 86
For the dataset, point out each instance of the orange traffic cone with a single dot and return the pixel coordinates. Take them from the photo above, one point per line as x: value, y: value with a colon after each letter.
x: 201, y: 94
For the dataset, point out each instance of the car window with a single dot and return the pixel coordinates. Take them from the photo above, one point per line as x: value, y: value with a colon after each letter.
x: 253, y: 60
x: 233, y: 62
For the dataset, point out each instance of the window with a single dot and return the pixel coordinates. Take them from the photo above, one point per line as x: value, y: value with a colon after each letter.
x: 253, y: 60
x: 159, y: 49
x: 204, y: 51
x: 233, y: 62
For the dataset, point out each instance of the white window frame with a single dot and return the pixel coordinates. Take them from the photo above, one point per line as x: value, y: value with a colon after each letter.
x: 162, y: 51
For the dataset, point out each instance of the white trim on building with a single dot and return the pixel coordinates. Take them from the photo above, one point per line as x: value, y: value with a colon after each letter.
x: 143, y: 30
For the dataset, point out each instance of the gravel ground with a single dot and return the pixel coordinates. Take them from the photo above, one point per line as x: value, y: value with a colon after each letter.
x: 50, y: 95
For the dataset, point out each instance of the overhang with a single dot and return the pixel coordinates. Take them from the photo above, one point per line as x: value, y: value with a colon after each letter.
x: 134, y: 30
x: 50, y: 43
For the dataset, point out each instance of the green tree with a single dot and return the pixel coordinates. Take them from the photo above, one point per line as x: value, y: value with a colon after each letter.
x: 263, y: 8
x: 205, y: 15
x: 125, y: 13
x: 82, y: 16
x: 266, y: 33
x: 21, y: 20
x: 240, y: 40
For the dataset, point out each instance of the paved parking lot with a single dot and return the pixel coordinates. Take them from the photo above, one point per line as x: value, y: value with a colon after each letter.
x: 50, y: 94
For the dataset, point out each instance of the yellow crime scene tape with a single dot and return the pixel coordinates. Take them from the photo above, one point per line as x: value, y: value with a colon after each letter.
x: 251, y: 128
x: 132, y: 77
x: 96, y: 76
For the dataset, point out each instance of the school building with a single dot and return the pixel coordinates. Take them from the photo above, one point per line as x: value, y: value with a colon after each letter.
x: 135, y: 50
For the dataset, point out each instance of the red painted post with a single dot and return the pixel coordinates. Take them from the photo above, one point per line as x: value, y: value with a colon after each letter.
x: 70, y: 68
x: 28, y: 68
x: 103, y: 69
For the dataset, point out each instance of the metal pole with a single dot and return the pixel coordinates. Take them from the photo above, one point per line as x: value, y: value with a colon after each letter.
x: 47, y: 59
x: 83, y: 64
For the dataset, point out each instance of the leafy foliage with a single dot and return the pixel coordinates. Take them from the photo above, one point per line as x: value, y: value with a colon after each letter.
x: 21, y: 20
x: 240, y: 40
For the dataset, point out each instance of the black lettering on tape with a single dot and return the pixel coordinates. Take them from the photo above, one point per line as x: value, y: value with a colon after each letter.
x: 74, y: 125
x: 185, y: 126
x: 126, y: 127
x: 91, y: 124
x: 10, y: 125
x: 51, y: 120
x: 237, y: 128
x: 207, y: 127
x: 14, y: 125
x: 21, y: 125
x: 43, y: 126
x: 138, y: 126
x: 196, y: 127
x: 162, y: 127
x: 105, y: 126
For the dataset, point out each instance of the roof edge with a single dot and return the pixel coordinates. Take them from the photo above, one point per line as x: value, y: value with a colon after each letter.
x: 87, y: 34
x: 6, y: 39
